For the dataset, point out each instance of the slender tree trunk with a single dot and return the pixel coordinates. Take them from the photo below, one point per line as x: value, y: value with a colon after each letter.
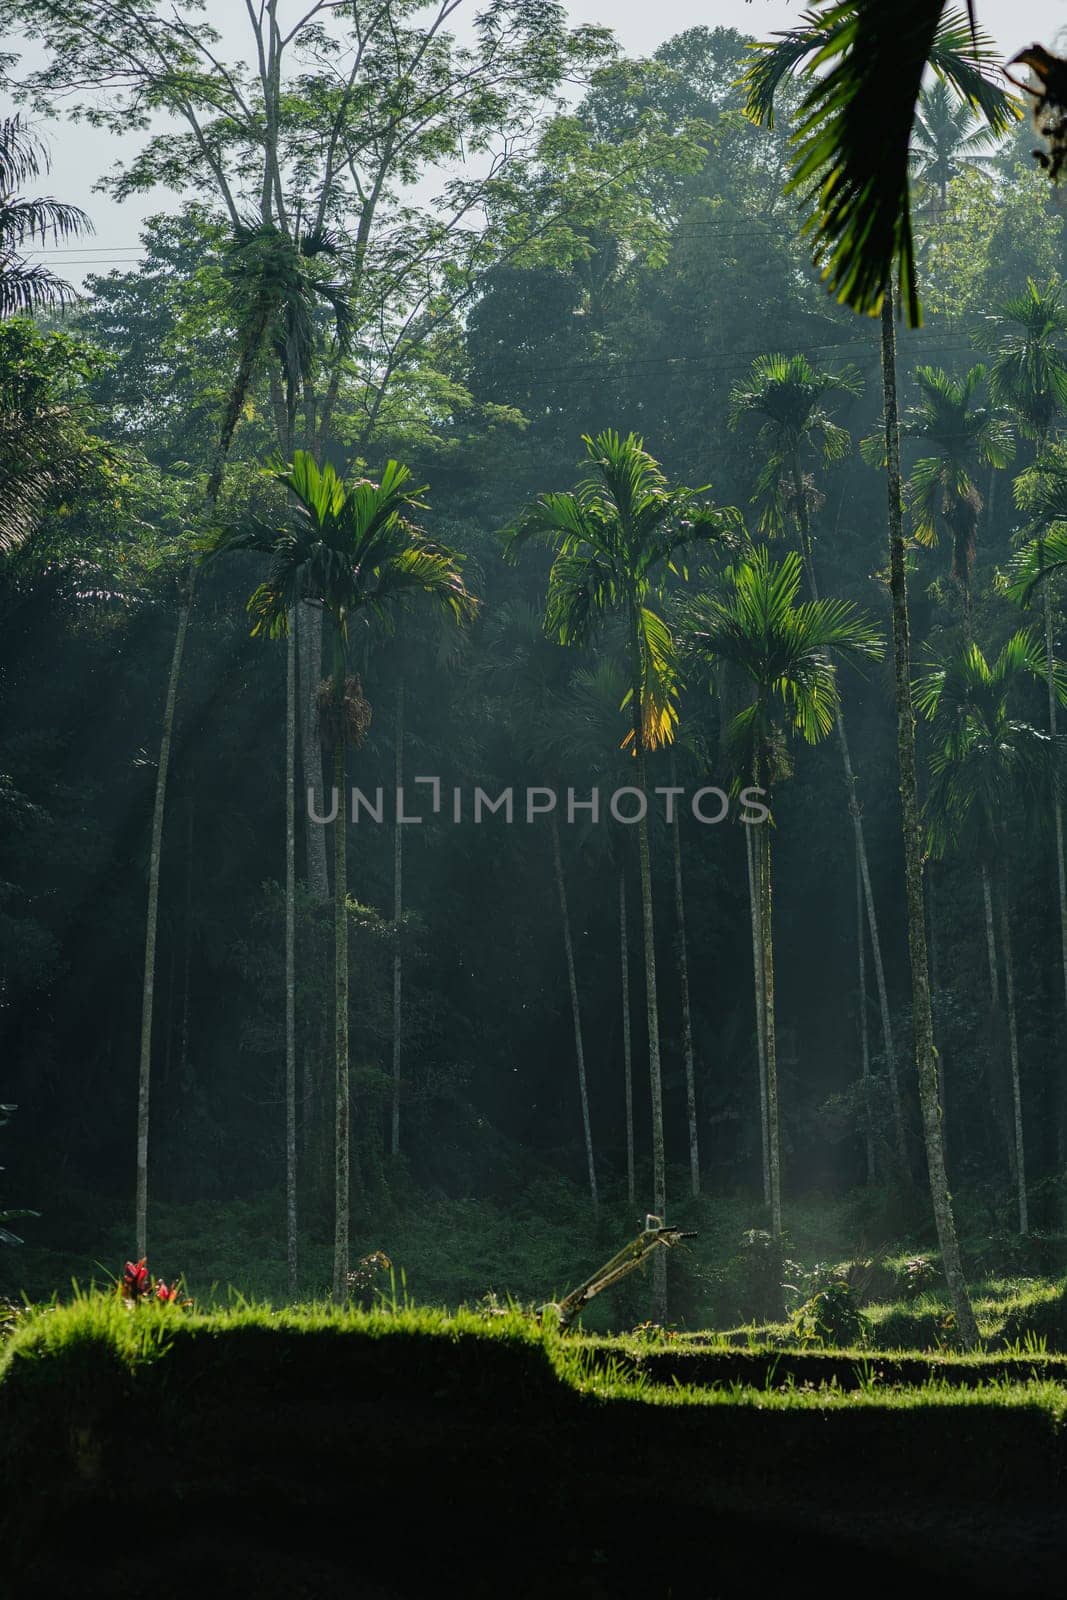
x: 1013, y: 1055
x: 1057, y: 815
x: 925, y: 1053
x: 935, y: 980
x: 290, y: 959
x: 627, y: 1044
x: 990, y: 939
x: 683, y: 984
x: 865, y: 1043
x: 341, y: 1103
x: 998, y: 1028
x: 398, y: 912
x: 144, y: 1076
x: 659, y: 1160
x: 763, y: 863
x: 757, y: 974
x: 576, y: 1013
x: 310, y: 660
x: 648, y: 920
x: 856, y: 813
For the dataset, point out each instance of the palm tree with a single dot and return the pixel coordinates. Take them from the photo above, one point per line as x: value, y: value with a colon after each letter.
x: 357, y: 552
x: 586, y: 730
x: 1028, y: 374
x: 27, y: 287
x: 987, y: 763
x: 946, y: 140
x: 943, y: 493
x: 755, y: 624
x: 36, y: 440
x: 616, y: 538
x: 273, y: 296
x: 854, y: 135
x: 789, y: 396
x: 853, y: 149
x: 531, y: 671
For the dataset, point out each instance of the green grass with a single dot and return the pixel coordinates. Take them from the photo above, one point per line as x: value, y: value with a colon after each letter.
x: 284, y: 1451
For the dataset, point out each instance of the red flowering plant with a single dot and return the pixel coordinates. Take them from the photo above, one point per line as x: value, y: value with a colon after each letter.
x: 138, y: 1285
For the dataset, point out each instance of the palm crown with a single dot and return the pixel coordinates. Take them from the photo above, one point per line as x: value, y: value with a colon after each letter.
x: 355, y: 549
x: 985, y: 758
x: 1042, y: 491
x: 963, y: 436
x: 1028, y: 372
x: 616, y: 536
x: 946, y: 139
x: 754, y: 624
x: 788, y: 395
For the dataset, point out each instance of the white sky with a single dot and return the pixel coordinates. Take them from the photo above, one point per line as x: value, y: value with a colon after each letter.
x: 80, y: 154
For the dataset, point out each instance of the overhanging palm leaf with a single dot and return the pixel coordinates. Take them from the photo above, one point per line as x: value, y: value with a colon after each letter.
x: 26, y: 287
x: 853, y: 138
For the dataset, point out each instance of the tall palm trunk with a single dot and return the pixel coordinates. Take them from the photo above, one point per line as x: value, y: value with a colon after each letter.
x: 309, y: 627
x: 1013, y: 1054
x: 398, y: 911
x: 683, y: 985
x: 576, y: 1013
x: 340, y: 945
x: 290, y: 959
x: 999, y: 1025
x: 763, y: 866
x: 1057, y: 815
x: 856, y: 813
x: 627, y: 1043
x: 865, y: 1043
x: 757, y: 975
x: 238, y: 392
x: 925, y: 1052
x: 144, y: 1077
x: 648, y: 920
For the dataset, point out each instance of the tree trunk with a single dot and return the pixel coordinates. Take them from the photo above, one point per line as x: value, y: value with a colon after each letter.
x: 310, y: 657
x: 683, y: 984
x: 1013, y: 1055
x: 398, y: 912
x: 290, y: 958
x: 998, y: 1029
x: 865, y: 1044
x: 144, y: 1076
x: 925, y: 1054
x: 576, y: 1014
x: 763, y: 863
x: 757, y: 974
x: 659, y: 1161
x: 856, y: 813
x: 340, y: 946
x: 627, y: 1047
x: 1057, y: 814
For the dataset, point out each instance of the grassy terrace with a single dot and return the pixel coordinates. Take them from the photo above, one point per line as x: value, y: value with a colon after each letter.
x: 295, y: 1452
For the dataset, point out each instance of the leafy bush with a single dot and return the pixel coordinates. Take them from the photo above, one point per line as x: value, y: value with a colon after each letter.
x: 830, y: 1313
x: 753, y: 1278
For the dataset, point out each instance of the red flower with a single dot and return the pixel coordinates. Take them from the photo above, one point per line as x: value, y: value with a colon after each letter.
x: 165, y: 1294
x: 135, y: 1279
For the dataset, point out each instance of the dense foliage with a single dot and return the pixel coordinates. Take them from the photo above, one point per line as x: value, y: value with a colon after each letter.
x: 640, y: 281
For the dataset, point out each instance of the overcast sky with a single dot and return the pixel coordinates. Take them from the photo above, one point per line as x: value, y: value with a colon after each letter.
x: 80, y: 155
